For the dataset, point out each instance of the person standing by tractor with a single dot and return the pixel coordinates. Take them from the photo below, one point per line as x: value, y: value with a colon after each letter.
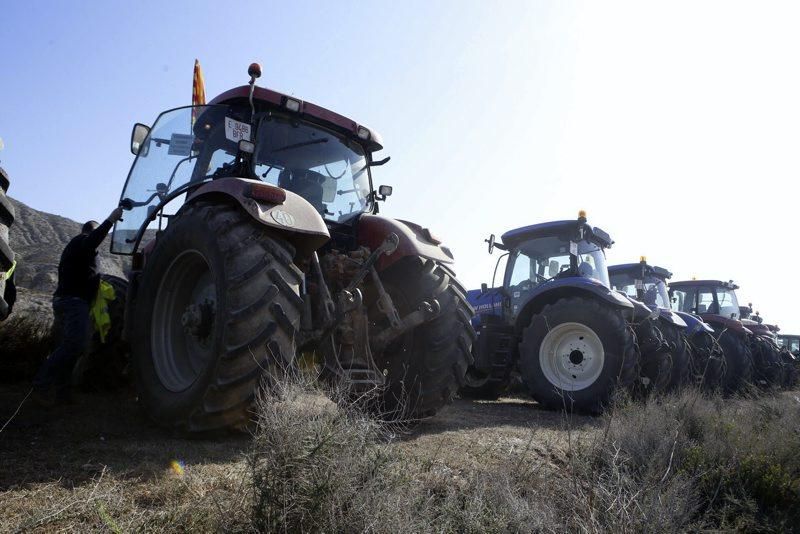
x: 78, y: 283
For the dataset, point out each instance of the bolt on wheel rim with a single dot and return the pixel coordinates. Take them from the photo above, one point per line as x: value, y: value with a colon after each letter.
x: 183, y: 321
x: 571, y: 356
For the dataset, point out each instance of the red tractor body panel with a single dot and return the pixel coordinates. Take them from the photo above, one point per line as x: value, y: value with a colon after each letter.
x: 414, y: 240
x: 295, y: 217
x: 313, y: 111
x: 725, y: 322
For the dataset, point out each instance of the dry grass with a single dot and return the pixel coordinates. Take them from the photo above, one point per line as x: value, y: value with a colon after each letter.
x: 683, y: 463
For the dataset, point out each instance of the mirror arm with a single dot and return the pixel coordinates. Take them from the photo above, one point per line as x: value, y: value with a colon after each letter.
x: 380, y: 162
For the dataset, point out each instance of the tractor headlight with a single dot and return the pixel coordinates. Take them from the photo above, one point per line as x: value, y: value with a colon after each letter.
x: 292, y: 105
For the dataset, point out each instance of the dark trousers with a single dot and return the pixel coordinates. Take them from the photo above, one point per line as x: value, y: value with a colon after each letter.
x: 71, y: 327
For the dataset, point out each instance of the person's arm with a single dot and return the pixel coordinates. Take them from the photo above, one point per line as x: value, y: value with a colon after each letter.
x: 94, y: 239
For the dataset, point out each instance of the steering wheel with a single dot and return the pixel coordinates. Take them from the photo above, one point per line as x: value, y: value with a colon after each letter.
x: 331, y: 176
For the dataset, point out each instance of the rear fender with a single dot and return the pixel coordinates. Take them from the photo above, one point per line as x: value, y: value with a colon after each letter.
x: 550, y: 292
x: 295, y: 218
x: 718, y: 322
x: 672, y: 318
x: 641, y: 312
x: 694, y: 324
x: 415, y: 240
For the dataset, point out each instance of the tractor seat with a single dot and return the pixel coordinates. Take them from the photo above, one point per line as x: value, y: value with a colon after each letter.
x: 307, y: 184
x: 585, y: 269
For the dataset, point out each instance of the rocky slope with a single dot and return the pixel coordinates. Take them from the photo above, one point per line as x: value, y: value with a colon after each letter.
x: 38, y: 238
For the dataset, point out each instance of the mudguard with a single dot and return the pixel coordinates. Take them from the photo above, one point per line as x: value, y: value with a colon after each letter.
x: 672, y: 318
x: 294, y: 216
x: 640, y: 311
x: 415, y: 240
x: 720, y: 322
x: 758, y: 329
x: 524, y: 306
x: 694, y: 324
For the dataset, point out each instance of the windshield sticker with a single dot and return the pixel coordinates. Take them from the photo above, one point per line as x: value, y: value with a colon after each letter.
x: 639, y: 284
x: 236, y: 131
x: 180, y: 144
x: 573, y: 248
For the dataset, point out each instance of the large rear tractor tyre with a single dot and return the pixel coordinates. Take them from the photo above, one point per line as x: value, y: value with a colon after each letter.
x: 215, y: 317
x: 576, y: 353
x: 655, y: 364
x: 706, y: 361
x: 738, y: 369
x: 679, y: 353
x: 767, y: 366
x: 425, y: 367
x: 105, y: 366
x: 8, y: 293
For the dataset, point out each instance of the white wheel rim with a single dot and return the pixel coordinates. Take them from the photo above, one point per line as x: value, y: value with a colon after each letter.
x: 571, y: 356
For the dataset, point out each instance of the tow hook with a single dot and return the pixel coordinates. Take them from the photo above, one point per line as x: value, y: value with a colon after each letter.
x: 425, y: 312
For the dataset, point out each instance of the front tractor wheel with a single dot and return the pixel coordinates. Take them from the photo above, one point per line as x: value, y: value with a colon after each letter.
x: 425, y: 367
x: 575, y: 353
x: 217, y: 311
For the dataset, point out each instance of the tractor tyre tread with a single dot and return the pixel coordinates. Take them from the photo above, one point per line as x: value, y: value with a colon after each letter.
x: 738, y: 371
x: 424, y: 373
x: 260, y: 316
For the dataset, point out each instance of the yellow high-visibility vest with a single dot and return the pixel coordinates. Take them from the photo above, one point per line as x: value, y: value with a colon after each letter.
x: 99, y: 310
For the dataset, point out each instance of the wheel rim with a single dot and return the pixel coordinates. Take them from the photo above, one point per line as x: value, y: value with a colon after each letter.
x: 182, y: 324
x: 571, y: 356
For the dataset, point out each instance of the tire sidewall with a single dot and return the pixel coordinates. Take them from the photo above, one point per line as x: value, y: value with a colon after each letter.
x: 600, y: 319
x: 189, y: 231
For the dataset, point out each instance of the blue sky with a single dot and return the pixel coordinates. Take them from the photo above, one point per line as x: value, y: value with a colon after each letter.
x: 674, y: 125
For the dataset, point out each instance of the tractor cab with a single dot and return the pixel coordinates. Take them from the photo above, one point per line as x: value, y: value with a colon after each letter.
x: 643, y: 282
x: 293, y: 151
x: 706, y: 298
x: 542, y: 256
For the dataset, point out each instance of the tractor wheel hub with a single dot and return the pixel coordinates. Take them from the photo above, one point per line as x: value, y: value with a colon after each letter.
x: 197, y: 319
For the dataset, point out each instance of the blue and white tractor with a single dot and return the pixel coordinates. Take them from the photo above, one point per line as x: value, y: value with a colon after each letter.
x: 555, y: 319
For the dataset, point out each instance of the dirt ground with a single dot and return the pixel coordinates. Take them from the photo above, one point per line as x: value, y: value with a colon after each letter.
x: 47, y: 454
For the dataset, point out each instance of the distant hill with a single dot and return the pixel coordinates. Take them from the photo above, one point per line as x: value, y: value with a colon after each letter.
x: 38, y: 238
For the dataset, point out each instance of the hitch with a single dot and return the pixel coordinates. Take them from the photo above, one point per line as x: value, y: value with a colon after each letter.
x: 425, y: 312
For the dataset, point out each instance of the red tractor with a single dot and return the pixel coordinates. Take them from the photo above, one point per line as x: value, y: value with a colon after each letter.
x: 255, y: 236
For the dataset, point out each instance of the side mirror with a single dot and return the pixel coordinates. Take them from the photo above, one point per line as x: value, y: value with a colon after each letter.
x: 552, y: 268
x: 484, y: 288
x: 384, y: 191
x: 138, y: 135
x: 491, y: 243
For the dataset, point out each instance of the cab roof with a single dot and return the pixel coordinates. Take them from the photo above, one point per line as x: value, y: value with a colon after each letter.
x: 513, y: 238
x: 635, y: 268
x: 316, y: 113
x: 712, y: 283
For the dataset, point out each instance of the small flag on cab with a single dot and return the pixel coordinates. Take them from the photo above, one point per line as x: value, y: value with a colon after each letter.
x: 198, y: 89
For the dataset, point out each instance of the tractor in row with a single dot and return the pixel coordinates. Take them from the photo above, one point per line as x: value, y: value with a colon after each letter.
x: 255, y: 236
x: 692, y: 353
x: 555, y: 320
x: 573, y: 330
